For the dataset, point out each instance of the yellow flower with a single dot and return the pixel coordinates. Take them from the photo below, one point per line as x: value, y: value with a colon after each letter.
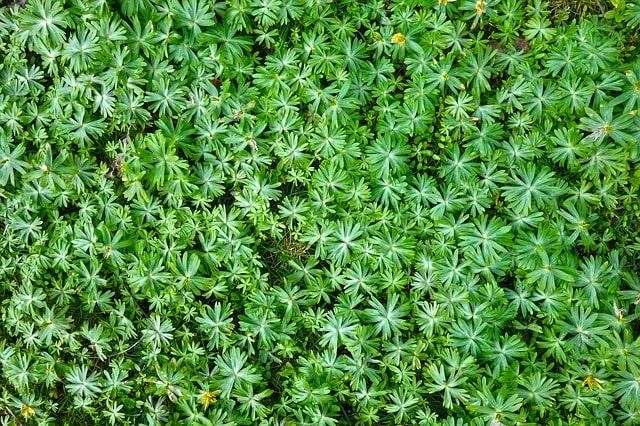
x: 209, y: 398
x: 27, y: 411
x: 481, y: 7
x: 592, y: 382
x: 398, y: 38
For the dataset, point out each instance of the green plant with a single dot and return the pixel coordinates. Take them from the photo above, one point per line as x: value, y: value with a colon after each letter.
x: 325, y: 213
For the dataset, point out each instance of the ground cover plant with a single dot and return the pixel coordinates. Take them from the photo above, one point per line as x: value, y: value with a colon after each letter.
x: 307, y: 212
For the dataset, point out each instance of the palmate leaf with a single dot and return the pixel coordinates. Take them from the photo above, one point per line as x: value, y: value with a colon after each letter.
x: 387, y: 319
x: 394, y: 250
x: 496, y: 407
x: 628, y: 389
x: 401, y: 406
x: 344, y: 241
x: 568, y: 148
x: 193, y: 15
x: 27, y: 229
x: 160, y: 157
x: 490, y: 236
x: 448, y: 385
x: 584, y: 326
x: 217, y: 324
x: 80, y: 50
x: 46, y: 20
x: 575, y: 93
x: 10, y: 163
x: 388, y: 156
x: 82, y: 383
x: 504, y: 352
x: 261, y: 324
x: 82, y: 128
x: 468, y: 336
x: 251, y: 402
x: 626, y: 351
x: 480, y: 67
x: 337, y: 329
x: 531, y: 188
x: 593, y: 278
x: 601, y: 125
x: 157, y: 332
x: 166, y: 97
x: 549, y: 271
x: 459, y: 166
x: 19, y: 371
x: 233, y: 373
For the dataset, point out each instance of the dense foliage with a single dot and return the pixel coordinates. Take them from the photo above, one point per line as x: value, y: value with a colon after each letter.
x: 306, y: 212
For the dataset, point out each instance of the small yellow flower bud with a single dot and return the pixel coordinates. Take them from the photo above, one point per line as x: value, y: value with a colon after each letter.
x: 398, y: 38
x: 27, y: 411
x: 592, y: 382
x: 209, y: 398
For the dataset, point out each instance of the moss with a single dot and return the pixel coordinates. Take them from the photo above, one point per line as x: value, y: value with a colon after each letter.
x: 562, y: 10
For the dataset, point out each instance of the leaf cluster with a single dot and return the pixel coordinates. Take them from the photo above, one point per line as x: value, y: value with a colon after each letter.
x: 311, y: 212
